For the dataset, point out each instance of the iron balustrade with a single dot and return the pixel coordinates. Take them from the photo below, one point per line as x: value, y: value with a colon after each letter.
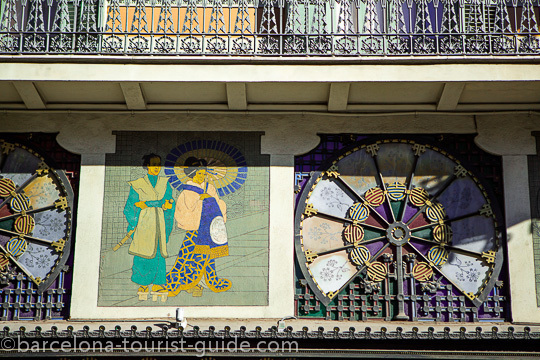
x: 271, y: 28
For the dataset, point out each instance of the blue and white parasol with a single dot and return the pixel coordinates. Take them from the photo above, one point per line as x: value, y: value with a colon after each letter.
x: 226, y: 169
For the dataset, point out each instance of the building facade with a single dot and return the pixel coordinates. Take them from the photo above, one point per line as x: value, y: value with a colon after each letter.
x: 273, y: 170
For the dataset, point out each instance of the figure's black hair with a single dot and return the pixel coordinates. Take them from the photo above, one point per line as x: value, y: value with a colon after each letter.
x: 193, y: 164
x: 146, y: 159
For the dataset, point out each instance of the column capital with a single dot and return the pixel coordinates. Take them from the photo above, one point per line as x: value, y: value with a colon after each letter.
x: 90, y: 137
x: 285, y: 140
x: 507, y: 134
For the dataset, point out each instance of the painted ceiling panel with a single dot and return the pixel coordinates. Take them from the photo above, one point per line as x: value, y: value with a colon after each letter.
x: 395, y: 92
x: 184, y: 92
x: 501, y: 92
x: 80, y: 92
x: 8, y: 93
x: 260, y: 93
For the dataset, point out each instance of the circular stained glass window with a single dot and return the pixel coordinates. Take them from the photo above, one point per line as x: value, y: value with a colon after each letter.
x: 36, y: 204
x: 403, y: 217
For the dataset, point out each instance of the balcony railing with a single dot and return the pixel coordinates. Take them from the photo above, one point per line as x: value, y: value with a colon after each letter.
x: 271, y: 28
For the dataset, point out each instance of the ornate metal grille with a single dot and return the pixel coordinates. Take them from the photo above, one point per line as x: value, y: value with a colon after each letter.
x: 270, y: 28
x: 366, y: 253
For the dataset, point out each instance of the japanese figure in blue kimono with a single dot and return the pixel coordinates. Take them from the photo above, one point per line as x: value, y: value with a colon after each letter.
x: 149, y: 212
x: 200, y: 212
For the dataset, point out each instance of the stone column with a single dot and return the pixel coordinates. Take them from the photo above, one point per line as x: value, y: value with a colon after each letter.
x: 93, y: 143
x: 282, y: 145
x: 510, y: 136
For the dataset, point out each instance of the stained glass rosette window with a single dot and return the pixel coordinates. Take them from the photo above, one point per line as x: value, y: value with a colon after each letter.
x: 36, y: 204
x: 404, y: 218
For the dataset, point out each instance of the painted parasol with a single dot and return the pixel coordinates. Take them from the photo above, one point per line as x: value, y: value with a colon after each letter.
x: 226, y: 166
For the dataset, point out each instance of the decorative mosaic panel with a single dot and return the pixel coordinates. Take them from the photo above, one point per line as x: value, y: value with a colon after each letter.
x: 185, y: 220
x: 398, y: 229
x: 36, y: 226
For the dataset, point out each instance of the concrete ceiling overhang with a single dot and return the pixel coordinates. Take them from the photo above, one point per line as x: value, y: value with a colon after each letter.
x: 321, y: 87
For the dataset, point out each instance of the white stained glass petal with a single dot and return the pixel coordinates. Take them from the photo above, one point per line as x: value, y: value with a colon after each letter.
x: 42, y: 192
x: 462, y: 197
x: 38, y: 259
x: 358, y: 171
x: 432, y: 171
x: 329, y: 198
x: 319, y: 234
x: 18, y: 179
x: 332, y: 271
x: 50, y: 225
x: 475, y: 234
x: 467, y: 272
x: 395, y: 162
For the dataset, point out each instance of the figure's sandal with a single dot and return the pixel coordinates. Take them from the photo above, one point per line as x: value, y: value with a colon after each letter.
x: 195, y: 291
x: 143, y: 293
x: 159, y: 291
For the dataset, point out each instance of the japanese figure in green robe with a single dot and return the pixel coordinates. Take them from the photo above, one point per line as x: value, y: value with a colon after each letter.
x: 149, y: 212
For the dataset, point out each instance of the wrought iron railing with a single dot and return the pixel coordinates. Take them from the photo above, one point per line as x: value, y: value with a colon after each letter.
x: 270, y: 27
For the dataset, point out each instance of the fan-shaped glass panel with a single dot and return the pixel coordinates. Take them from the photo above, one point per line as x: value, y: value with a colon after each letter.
x: 399, y: 218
